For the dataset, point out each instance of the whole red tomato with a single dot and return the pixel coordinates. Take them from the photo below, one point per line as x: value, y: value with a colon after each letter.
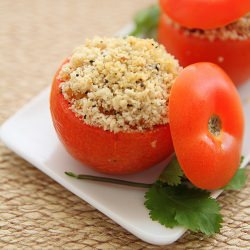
x: 232, y: 55
x: 206, y: 122
x: 205, y: 14
x: 107, y: 152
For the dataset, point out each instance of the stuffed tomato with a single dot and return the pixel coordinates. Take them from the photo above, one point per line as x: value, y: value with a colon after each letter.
x: 109, y: 104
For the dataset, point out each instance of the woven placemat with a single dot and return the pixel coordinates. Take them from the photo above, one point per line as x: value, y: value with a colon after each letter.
x: 36, y: 212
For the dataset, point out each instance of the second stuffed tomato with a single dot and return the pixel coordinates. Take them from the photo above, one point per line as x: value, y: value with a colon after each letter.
x: 227, y: 46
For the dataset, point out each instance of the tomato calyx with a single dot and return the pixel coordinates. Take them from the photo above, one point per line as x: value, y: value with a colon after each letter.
x: 214, y: 125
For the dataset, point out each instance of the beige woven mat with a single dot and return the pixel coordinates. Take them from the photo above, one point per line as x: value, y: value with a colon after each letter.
x: 36, y: 212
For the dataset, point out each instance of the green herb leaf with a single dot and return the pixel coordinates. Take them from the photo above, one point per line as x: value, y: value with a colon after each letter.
x: 182, y: 206
x: 172, y: 174
x: 238, y: 181
x: 158, y: 201
x: 146, y: 22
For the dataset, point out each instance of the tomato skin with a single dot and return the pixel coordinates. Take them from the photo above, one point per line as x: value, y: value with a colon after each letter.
x: 104, y: 151
x: 205, y: 14
x: 201, y: 91
x: 233, y: 56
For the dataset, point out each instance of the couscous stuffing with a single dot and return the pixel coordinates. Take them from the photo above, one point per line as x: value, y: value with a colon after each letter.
x: 238, y: 30
x: 119, y: 84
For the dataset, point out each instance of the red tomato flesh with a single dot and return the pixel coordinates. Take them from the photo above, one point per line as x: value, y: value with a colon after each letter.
x: 232, y: 55
x: 205, y: 14
x: 104, y: 151
x: 203, y: 91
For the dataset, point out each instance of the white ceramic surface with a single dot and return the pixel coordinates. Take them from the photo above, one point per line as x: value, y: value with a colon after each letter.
x: 31, y: 135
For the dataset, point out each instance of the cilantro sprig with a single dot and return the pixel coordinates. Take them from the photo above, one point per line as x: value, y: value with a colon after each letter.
x: 173, y: 201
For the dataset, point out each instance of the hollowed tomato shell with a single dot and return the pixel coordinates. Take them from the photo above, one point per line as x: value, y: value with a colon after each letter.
x: 104, y: 151
x: 232, y: 55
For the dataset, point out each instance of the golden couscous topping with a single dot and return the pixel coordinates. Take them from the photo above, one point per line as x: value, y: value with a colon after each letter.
x: 119, y: 84
x: 238, y: 30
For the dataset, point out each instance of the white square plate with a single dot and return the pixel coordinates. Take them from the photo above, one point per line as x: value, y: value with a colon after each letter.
x: 31, y: 135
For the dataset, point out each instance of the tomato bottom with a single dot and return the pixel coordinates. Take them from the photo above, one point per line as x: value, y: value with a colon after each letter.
x: 232, y: 55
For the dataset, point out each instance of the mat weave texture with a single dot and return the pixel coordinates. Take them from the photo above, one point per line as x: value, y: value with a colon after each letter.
x: 35, y: 211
